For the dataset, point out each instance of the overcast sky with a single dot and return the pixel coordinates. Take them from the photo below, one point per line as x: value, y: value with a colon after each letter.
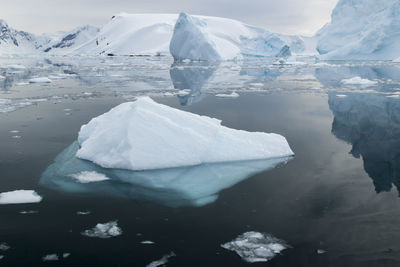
x: 284, y: 16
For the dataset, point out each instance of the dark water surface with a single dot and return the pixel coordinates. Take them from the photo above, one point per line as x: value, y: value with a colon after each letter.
x: 338, y: 194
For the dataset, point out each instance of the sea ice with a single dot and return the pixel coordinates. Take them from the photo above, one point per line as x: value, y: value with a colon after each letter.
x: 359, y: 81
x: 161, y: 261
x: 40, y: 80
x: 50, y: 257
x: 256, y: 247
x: 4, y: 246
x: 231, y: 95
x: 104, y: 230
x: 89, y: 177
x: 19, y: 196
x: 145, y: 135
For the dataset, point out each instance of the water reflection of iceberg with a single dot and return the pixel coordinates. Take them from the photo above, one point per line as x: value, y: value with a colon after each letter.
x: 193, y: 76
x: 188, y: 186
x: 371, y: 123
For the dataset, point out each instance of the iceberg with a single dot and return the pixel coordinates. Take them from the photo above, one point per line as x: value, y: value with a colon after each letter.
x: 362, y: 30
x: 144, y: 135
x: 173, y: 187
x: 104, y: 230
x: 19, y: 197
x: 216, y: 39
x: 256, y: 247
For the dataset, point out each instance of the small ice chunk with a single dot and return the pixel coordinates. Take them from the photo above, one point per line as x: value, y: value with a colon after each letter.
x: 321, y: 251
x: 50, y: 257
x: 16, y: 137
x: 28, y: 212
x: 19, y: 196
x: 4, y: 246
x: 256, y: 247
x: 231, y: 95
x: 183, y: 92
x: 147, y: 242
x: 1, y: 257
x: 14, y: 131
x: 161, y: 261
x: 104, y: 230
x: 85, y: 177
x: 341, y: 96
x: 66, y: 255
x: 359, y: 81
x: 83, y: 212
x: 393, y: 96
x: 40, y: 80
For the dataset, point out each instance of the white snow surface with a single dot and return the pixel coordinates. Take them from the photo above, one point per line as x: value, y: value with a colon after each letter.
x: 216, y: 39
x: 19, y: 196
x: 144, y: 135
x: 359, y: 81
x: 89, y: 177
x: 40, y: 80
x: 362, y: 29
x: 256, y: 247
x: 104, y: 230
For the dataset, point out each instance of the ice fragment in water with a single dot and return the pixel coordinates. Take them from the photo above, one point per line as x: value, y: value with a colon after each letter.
x: 104, y: 230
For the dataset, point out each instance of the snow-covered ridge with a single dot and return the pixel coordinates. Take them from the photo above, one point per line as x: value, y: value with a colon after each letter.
x: 362, y: 29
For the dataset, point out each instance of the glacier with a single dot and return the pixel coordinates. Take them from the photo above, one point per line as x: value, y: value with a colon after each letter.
x: 361, y: 30
x: 141, y: 135
x: 173, y: 187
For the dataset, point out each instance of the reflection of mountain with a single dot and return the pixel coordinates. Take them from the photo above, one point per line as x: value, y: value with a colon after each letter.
x: 192, y: 76
x: 188, y: 186
x: 371, y: 123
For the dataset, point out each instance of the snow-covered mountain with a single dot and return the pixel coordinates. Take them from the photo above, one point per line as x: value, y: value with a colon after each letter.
x: 362, y: 29
x: 151, y: 34
x: 19, y: 42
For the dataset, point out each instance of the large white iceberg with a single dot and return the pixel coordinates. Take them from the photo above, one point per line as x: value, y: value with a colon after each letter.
x: 145, y: 135
x: 362, y: 29
x: 215, y: 39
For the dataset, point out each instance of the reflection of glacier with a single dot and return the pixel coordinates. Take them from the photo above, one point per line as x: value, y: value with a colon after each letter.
x: 188, y: 186
x: 371, y: 123
x: 332, y: 77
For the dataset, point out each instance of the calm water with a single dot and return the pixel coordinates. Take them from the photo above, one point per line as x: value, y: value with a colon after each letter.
x: 339, y: 193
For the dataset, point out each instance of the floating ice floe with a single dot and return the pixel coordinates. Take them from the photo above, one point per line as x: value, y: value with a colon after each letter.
x: 359, y: 81
x: 161, y: 261
x: 89, y: 177
x: 1, y: 257
x: 147, y: 242
x: 40, y: 80
x: 19, y: 197
x: 28, y: 212
x: 321, y: 251
x: 83, y: 212
x: 256, y: 247
x: 231, y: 95
x: 66, y: 255
x: 4, y: 246
x: 104, y: 230
x: 50, y: 257
x: 145, y: 135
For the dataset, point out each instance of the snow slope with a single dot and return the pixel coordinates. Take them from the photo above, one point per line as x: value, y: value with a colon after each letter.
x: 213, y: 38
x: 362, y: 29
x: 151, y: 34
x: 145, y: 135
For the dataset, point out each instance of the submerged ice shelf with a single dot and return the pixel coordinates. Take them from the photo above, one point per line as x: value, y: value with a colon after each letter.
x: 144, y: 135
x: 184, y: 186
